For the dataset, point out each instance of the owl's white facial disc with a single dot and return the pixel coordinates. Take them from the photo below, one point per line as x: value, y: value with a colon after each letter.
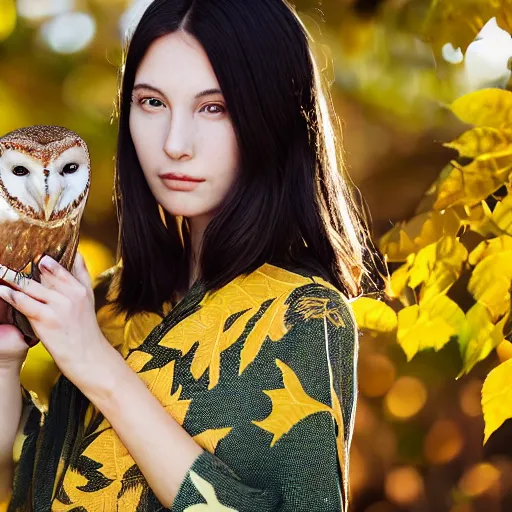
x: 69, y: 175
x: 49, y: 190
x: 28, y: 190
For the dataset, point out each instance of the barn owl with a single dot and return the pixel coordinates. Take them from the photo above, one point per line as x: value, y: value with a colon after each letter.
x: 44, y: 184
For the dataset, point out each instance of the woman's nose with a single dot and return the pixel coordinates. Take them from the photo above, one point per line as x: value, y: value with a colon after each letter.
x: 178, y: 143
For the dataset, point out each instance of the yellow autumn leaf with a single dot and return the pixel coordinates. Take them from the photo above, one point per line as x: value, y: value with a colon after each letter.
x: 398, y: 281
x: 437, y: 267
x: 422, y: 230
x: 504, y: 351
x: 501, y: 217
x: 489, y: 247
x: 490, y: 283
x: 374, y: 315
x: 485, y: 107
x: 7, y: 19
x: 472, y: 183
x: 480, y: 140
x: 497, y: 398
x: 428, y: 325
x: 478, y: 219
x: 290, y: 405
x: 396, y: 244
x: 479, y: 336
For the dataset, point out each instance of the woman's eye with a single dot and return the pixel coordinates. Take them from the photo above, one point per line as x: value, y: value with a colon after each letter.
x: 19, y: 170
x: 213, y: 108
x: 70, y: 168
x: 152, y: 102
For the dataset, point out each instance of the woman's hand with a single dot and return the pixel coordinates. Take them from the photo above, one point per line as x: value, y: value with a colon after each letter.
x: 61, y: 312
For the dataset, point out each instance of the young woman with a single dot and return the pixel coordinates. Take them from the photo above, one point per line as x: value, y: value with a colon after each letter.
x: 218, y: 371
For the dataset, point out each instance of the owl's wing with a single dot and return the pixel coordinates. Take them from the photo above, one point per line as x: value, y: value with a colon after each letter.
x: 68, y: 255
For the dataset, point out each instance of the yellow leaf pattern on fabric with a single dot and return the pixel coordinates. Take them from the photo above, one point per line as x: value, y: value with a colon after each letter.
x: 497, y: 398
x: 271, y: 324
x: 209, y: 439
x: 125, y: 335
x: 111, y: 325
x: 137, y: 329
x: 290, y: 405
x: 159, y: 381
x: 428, y: 325
x: 243, y: 296
x: 486, y: 107
x: 207, y: 328
x: 316, y: 307
x: 208, y: 492
x: 479, y: 336
x: 374, y: 315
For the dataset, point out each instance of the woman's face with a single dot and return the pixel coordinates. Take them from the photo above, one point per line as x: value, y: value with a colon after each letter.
x: 181, y: 129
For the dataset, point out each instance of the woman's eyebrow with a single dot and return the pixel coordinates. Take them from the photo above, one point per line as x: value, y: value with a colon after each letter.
x: 208, y: 92
x: 149, y: 87
x: 202, y: 94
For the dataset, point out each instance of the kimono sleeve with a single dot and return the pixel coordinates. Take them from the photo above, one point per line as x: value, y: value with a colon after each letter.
x: 310, y: 423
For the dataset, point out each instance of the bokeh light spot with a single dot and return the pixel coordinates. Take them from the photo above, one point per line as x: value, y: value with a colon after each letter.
x: 7, y: 18
x: 470, y: 398
x: 404, y: 485
x: 40, y: 9
x: 443, y: 442
x: 376, y: 375
x: 69, y: 32
x: 97, y: 257
x: 406, y: 398
x: 480, y: 479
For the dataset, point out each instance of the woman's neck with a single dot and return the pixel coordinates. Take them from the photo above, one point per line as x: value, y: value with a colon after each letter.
x: 197, y: 227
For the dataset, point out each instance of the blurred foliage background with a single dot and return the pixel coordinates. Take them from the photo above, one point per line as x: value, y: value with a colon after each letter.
x: 419, y: 430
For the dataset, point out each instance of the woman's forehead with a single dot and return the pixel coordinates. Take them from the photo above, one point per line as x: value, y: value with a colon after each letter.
x: 177, y: 64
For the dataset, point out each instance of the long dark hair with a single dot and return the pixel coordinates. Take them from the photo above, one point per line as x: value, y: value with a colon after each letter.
x: 293, y: 204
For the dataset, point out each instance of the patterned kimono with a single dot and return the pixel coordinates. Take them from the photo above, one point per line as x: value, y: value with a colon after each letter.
x: 262, y: 375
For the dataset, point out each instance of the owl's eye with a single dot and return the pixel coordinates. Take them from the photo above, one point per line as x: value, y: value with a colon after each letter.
x: 19, y: 170
x: 70, y: 168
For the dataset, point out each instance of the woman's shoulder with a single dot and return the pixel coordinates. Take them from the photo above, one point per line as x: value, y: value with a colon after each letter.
x: 289, y: 284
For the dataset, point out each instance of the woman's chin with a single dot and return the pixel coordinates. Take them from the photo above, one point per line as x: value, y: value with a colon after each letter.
x: 183, y: 210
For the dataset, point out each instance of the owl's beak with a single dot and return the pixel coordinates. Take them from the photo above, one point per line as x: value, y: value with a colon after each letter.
x: 50, y: 201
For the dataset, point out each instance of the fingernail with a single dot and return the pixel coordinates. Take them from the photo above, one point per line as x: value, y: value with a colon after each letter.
x: 46, y: 263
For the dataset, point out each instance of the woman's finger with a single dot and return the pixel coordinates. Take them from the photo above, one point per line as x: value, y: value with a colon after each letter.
x: 31, y: 308
x: 55, y: 275
x: 81, y: 273
x: 23, y: 283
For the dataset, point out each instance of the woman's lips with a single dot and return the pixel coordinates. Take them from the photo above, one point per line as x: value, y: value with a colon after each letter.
x: 180, y: 182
